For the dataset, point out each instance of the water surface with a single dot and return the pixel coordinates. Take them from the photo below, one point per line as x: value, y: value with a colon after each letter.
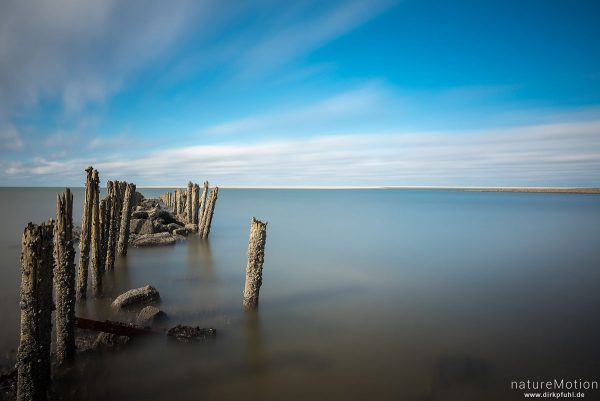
x: 380, y: 294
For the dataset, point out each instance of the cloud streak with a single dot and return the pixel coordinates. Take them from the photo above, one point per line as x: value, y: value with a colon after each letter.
x: 302, y: 37
x: 10, y: 139
x: 554, y: 154
x: 363, y: 102
x: 82, y: 51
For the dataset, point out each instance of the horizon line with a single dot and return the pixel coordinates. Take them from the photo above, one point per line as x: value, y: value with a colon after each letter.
x: 345, y: 187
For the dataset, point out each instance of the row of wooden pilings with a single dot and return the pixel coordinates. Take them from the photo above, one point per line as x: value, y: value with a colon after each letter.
x: 48, y: 261
x: 104, y: 230
x: 197, y: 208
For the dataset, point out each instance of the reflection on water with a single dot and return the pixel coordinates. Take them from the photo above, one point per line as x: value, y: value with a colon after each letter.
x: 367, y: 294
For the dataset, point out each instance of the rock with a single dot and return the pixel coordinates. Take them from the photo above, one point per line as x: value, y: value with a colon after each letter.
x: 166, y: 216
x: 149, y: 316
x: 139, y: 214
x: 186, y: 334
x: 147, y: 204
x: 137, y: 296
x: 106, y: 341
x: 8, y: 380
x: 160, y: 227
x: 179, y: 237
x: 138, y: 198
x: 141, y: 226
x: 173, y: 226
x: 76, y: 233
x: 192, y: 227
x: 180, y: 231
x: 153, y: 239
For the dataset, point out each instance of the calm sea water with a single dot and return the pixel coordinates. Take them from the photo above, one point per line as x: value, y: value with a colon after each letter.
x: 367, y: 295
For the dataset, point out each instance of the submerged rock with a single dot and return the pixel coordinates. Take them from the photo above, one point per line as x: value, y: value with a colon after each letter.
x: 8, y: 383
x: 150, y: 316
x: 178, y: 237
x: 186, y: 334
x: 153, y: 240
x: 137, y: 296
x: 106, y: 341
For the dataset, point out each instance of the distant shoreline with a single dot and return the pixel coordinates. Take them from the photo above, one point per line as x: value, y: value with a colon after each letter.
x: 539, y: 190
x: 549, y: 190
x: 562, y: 190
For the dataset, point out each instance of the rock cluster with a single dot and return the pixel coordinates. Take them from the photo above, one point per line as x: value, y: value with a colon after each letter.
x: 153, y: 225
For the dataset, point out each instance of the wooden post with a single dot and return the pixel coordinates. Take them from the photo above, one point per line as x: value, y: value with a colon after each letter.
x: 189, y: 204
x: 64, y: 277
x: 254, y: 268
x: 121, y: 186
x: 113, y: 215
x: 177, y: 201
x: 33, y: 357
x: 105, y: 224
x: 202, y: 202
x: 195, y: 206
x: 128, y: 200
x: 96, y: 265
x: 207, y: 216
x: 84, y: 240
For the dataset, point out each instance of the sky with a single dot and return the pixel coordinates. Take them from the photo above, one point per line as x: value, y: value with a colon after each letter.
x: 302, y: 93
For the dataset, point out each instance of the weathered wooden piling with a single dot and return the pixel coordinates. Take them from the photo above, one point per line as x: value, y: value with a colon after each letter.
x: 189, y: 203
x: 178, y: 202
x: 64, y: 277
x: 105, y: 225
x: 86, y: 231
x: 128, y: 200
x: 195, y: 204
x: 33, y: 357
x: 96, y: 265
x: 204, y: 229
x: 202, y: 205
x: 254, y: 268
x: 121, y: 186
x: 113, y: 233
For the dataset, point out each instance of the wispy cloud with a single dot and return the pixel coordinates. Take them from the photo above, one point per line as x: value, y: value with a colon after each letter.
x: 367, y: 100
x: 81, y: 51
x: 284, y: 45
x: 554, y: 154
x: 10, y: 139
x: 113, y: 142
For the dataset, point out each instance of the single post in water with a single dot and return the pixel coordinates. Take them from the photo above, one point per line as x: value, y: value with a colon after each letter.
x: 33, y: 357
x: 254, y: 268
x: 64, y: 277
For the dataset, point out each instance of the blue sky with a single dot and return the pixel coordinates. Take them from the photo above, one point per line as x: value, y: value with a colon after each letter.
x: 413, y: 92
